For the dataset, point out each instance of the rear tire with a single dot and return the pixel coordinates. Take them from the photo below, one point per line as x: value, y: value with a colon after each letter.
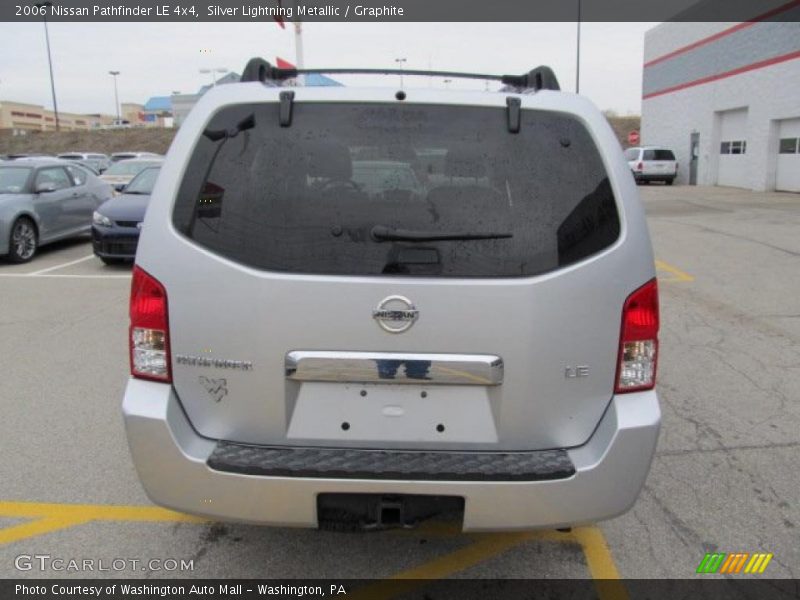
x: 112, y: 261
x: 23, y: 241
x: 668, y: 181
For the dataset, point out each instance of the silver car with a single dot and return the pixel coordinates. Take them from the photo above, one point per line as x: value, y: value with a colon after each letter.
x: 473, y: 331
x: 95, y: 161
x: 122, y: 172
x: 44, y: 200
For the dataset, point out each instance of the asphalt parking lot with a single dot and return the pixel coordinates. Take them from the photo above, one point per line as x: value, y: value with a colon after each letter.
x: 724, y: 478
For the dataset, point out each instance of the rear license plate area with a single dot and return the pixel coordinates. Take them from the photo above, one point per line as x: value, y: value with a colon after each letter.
x: 353, y: 412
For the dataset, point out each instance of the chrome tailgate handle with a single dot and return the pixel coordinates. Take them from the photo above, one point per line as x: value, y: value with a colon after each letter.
x: 394, y: 367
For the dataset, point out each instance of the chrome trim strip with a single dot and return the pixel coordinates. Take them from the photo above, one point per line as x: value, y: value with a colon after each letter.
x: 394, y: 367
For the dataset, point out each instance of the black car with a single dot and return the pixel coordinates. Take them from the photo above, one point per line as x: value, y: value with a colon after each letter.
x: 117, y: 222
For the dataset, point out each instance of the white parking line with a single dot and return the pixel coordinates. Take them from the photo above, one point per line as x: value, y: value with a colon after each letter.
x: 47, y: 270
x: 57, y: 276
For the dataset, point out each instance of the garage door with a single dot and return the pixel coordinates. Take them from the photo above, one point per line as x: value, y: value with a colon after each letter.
x: 733, y: 169
x: 787, y: 177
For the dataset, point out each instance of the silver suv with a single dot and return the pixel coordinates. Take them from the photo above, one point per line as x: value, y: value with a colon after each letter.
x: 363, y: 307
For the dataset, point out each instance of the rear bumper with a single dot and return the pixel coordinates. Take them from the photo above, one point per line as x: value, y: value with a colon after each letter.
x: 171, y: 459
x: 654, y: 176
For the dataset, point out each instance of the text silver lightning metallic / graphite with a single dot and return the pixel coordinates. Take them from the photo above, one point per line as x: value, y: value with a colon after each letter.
x: 217, y: 363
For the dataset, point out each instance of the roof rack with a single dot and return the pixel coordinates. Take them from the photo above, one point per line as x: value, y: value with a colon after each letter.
x: 540, y: 78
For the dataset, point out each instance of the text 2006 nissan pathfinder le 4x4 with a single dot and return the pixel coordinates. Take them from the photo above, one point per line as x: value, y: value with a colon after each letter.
x: 367, y: 306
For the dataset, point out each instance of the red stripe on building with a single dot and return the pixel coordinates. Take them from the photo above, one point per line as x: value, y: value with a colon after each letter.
x: 751, y: 67
x: 723, y: 33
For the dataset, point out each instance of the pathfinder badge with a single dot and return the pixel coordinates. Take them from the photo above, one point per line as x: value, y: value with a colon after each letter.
x: 217, y: 388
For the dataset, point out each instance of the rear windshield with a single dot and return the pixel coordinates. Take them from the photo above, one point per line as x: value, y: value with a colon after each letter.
x: 354, y: 189
x: 664, y: 155
x: 129, y: 167
x: 143, y: 183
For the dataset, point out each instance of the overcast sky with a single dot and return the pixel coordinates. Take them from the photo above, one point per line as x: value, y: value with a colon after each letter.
x: 156, y: 59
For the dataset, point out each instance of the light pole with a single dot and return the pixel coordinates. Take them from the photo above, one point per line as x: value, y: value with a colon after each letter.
x: 46, y: 5
x: 400, y: 62
x: 116, y: 96
x: 213, y: 73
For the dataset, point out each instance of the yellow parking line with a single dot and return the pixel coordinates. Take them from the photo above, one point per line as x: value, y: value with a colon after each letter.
x: 601, y: 563
x: 37, y: 527
x: 50, y: 517
x: 405, y: 581
x: 94, y: 512
x: 677, y: 274
x: 591, y: 540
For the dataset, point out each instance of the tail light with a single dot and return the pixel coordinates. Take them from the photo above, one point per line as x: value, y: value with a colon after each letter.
x: 640, y: 167
x: 149, y: 330
x: 638, y: 344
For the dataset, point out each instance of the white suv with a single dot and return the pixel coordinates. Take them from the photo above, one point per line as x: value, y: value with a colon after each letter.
x: 652, y: 163
x: 366, y: 306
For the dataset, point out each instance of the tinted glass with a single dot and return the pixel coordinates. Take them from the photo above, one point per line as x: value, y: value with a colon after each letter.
x: 143, y: 183
x: 664, y: 155
x: 12, y: 179
x: 78, y: 175
x: 128, y: 167
x: 56, y: 177
x: 306, y: 198
x: 649, y: 155
x: 788, y: 146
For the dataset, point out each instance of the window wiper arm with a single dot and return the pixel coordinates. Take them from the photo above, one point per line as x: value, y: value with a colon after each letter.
x: 381, y: 233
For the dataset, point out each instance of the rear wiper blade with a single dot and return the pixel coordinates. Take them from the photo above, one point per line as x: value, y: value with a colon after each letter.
x: 381, y: 233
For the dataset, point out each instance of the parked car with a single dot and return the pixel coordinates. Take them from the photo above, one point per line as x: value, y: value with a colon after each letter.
x: 97, y: 162
x: 652, y: 163
x: 117, y: 156
x: 45, y: 200
x: 18, y: 155
x: 117, y: 222
x: 308, y: 350
x: 122, y: 172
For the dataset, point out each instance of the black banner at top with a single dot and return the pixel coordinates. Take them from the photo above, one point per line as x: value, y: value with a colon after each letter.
x: 399, y: 10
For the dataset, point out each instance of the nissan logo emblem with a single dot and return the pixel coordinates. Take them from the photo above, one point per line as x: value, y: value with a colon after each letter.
x: 395, y: 314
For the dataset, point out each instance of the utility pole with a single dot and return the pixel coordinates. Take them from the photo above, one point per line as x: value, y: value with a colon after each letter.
x: 213, y: 73
x: 298, y: 50
x: 45, y: 6
x: 116, y: 96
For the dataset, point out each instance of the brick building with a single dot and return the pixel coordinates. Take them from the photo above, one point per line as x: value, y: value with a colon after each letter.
x: 18, y: 118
